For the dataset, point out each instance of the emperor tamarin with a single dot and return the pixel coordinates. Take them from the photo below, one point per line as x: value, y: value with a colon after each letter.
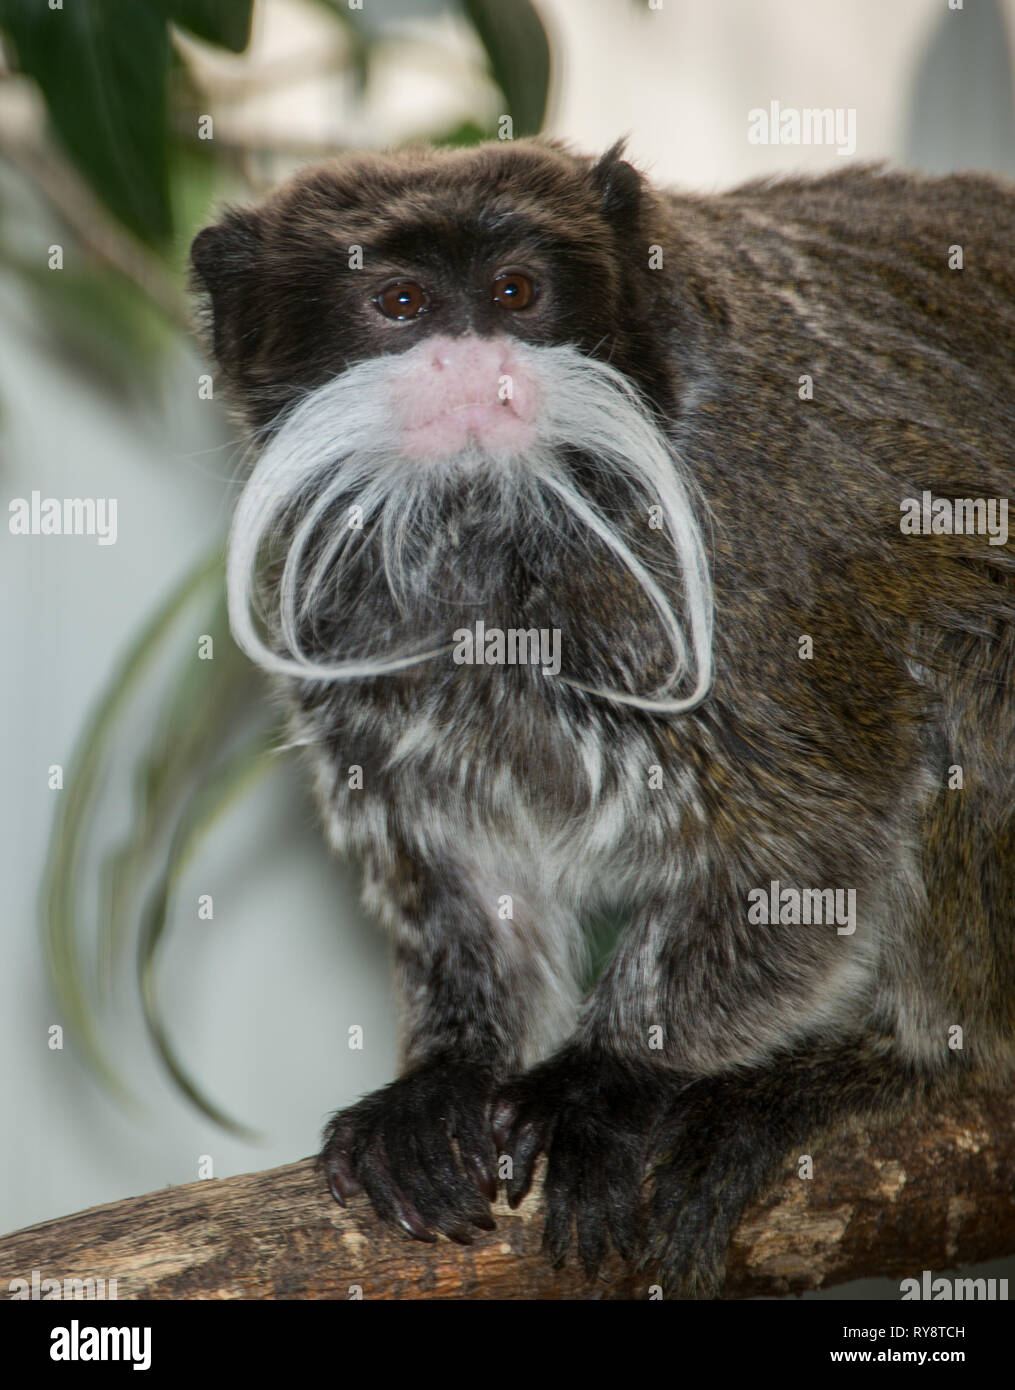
x: 626, y: 551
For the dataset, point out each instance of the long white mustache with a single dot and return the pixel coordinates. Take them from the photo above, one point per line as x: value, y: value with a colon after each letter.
x: 342, y: 441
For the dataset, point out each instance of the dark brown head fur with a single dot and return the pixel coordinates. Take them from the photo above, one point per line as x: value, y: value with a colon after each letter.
x: 289, y: 312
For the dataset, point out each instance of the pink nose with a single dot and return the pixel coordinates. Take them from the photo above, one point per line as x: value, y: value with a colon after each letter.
x: 462, y: 390
x: 483, y: 357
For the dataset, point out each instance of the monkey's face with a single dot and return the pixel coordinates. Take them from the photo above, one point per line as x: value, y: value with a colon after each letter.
x: 442, y: 339
x: 371, y: 255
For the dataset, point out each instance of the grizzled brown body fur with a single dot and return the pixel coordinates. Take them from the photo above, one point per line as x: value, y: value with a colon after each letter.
x: 828, y: 772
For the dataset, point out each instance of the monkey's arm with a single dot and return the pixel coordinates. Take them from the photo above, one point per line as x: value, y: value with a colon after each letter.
x: 421, y: 1146
x: 724, y: 1138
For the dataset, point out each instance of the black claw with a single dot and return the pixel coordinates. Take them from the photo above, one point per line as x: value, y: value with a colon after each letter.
x: 405, y: 1213
x: 502, y: 1120
x: 526, y: 1144
x: 481, y: 1175
x: 341, y: 1181
x: 417, y: 1232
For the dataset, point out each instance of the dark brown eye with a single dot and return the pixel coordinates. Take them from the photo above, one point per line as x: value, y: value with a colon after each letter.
x: 403, y: 300
x: 513, y: 290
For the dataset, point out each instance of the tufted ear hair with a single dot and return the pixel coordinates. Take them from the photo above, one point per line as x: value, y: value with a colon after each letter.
x: 619, y: 185
x: 226, y: 261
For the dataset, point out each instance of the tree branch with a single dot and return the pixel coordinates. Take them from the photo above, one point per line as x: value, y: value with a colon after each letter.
x: 935, y: 1193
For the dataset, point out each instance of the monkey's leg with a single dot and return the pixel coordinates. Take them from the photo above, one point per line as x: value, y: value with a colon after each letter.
x: 724, y: 1138
x: 421, y: 1146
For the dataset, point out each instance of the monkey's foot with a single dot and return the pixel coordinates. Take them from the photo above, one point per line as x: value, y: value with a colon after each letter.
x: 711, y: 1154
x: 421, y: 1149
x: 591, y: 1114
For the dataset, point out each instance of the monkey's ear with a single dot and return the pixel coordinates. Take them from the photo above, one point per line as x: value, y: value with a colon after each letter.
x: 226, y: 264
x: 619, y: 186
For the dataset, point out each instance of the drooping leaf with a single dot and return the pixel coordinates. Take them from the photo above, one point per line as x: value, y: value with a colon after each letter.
x: 519, y: 53
x: 61, y: 893
x: 193, y: 723
x: 102, y: 66
x: 182, y: 788
x: 100, y: 322
x: 196, y: 181
x: 211, y: 797
x: 222, y: 22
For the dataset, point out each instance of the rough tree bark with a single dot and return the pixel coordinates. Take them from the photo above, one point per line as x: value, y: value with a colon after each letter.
x: 934, y: 1195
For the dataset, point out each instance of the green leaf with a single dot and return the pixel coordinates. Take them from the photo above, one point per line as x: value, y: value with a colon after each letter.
x: 195, y: 182
x: 519, y: 53
x: 194, y: 720
x: 602, y: 931
x: 61, y: 893
x: 211, y: 798
x: 467, y: 132
x: 103, y: 324
x: 180, y: 792
x: 223, y: 22
x: 102, y: 67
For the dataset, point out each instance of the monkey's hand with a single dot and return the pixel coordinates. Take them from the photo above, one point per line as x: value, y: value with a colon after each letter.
x: 421, y: 1149
x: 592, y: 1115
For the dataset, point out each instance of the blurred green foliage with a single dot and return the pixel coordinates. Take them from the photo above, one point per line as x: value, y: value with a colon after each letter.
x: 519, y: 54
x: 103, y: 67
